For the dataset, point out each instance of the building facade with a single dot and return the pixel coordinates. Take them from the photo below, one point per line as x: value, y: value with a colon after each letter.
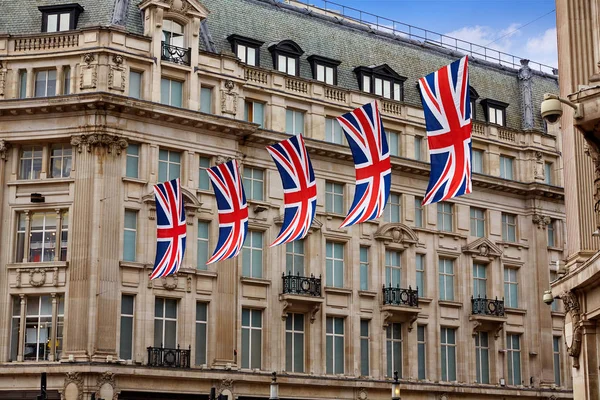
x: 102, y: 99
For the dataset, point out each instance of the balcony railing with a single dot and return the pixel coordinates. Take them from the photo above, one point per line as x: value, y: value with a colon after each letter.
x: 174, y: 54
x: 171, y: 358
x: 397, y: 296
x: 484, y: 306
x: 296, y: 284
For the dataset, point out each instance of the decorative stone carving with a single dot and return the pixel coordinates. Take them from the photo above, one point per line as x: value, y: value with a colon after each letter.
x: 229, y: 98
x: 225, y: 384
x: 73, y: 386
x: 4, y: 146
x: 361, y: 394
x: 482, y: 247
x: 542, y: 221
x: 592, y: 150
x: 37, y: 277
x: 189, y: 284
x: 117, y: 59
x: 170, y: 282
x: 285, y: 306
x: 88, y: 58
x: 444, y: 396
x: 116, y: 74
x: 55, y: 276
x: 178, y: 6
x: 18, y: 279
x: 313, y: 313
x: 105, y: 388
x: 2, y: 79
x: 397, y: 233
x: 525, y: 84
x: 572, y: 331
x: 88, y: 72
x: 109, y: 142
x: 385, y: 318
x: 539, y: 172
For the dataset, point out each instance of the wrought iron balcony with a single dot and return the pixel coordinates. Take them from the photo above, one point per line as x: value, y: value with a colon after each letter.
x: 171, y: 358
x: 397, y: 296
x: 296, y: 284
x: 174, y: 54
x: 484, y: 306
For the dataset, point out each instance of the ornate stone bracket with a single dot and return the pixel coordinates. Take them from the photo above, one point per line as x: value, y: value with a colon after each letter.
x: 106, y: 385
x: 89, y: 72
x: 313, y: 312
x: 497, y: 331
x: 476, y: 325
x: 385, y: 318
x: 542, y: 221
x: 362, y: 394
x: 411, y: 322
x: 285, y: 306
x: 573, y: 311
x: 73, y: 382
x: 225, y: 384
x: 4, y: 146
x: 109, y: 142
x: 189, y: 284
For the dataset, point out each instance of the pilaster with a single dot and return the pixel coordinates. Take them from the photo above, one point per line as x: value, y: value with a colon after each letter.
x: 226, y: 314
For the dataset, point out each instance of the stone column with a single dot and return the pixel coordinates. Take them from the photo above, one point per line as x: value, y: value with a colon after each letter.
x: 589, y: 350
x: 226, y: 315
x: 29, y: 88
x: 6, y: 256
x: 52, y: 355
x: 21, y: 329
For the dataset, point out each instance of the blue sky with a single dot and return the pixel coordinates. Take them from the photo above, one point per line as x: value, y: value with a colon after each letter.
x: 477, y: 21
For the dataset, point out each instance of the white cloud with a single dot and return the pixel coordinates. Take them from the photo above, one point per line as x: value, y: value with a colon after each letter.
x: 543, y: 48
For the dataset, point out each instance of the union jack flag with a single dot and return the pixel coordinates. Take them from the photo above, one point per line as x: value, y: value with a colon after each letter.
x: 170, y: 229
x: 447, y: 105
x: 366, y: 137
x: 233, y: 210
x: 299, y: 188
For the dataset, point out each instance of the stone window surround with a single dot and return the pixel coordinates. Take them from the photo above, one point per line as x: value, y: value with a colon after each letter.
x: 235, y: 40
x: 60, y: 211
x: 46, y: 160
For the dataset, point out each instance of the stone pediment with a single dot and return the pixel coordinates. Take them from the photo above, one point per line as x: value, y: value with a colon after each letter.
x: 183, y: 7
x: 190, y: 203
x: 316, y: 224
x: 397, y: 233
x: 483, y: 247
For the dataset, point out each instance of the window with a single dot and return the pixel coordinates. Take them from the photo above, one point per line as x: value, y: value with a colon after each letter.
x: 126, y: 333
x: 135, y: 84
x: 252, y: 255
x: 477, y: 161
x: 334, y: 345
x: 513, y: 357
x: 496, y: 115
x: 479, y: 281
x: 393, y: 270
x: 334, y: 132
x: 169, y: 165
x: 294, y: 343
x: 133, y: 161
x: 15, y: 329
x: 60, y: 18
x: 45, y: 83
x: 382, y: 81
x: 420, y: 268
x: 251, y: 338
x: 418, y: 212
x: 506, y: 167
x: 548, y: 173
x: 495, y: 111
x: 334, y: 261
x: 477, y: 222
x: 418, y: 142
x: 393, y: 209
x: 556, y: 356
x: 22, y: 84
x: 172, y: 33
x: 393, y: 139
x: 551, y: 237
x: 509, y: 227
x: 446, y: 279
x: 42, y: 229
x: 445, y: 216
x: 364, y: 268
x: 334, y: 197
x: 294, y: 257
x: 393, y: 342
x: 286, y: 57
x: 254, y: 112
x: 254, y: 180
x: 130, y: 235
x: 421, y: 352
x: 473, y: 95
x: 324, y: 69
x: 511, y: 288
x: 206, y: 100
x: 30, y: 162
x: 201, y: 332
x: 60, y: 161
x: 482, y: 363
x: 67, y: 80
x: 448, y: 354
x: 171, y: 92
x: 203, y: 179
x: 165, y: 323
x: 294, y: 122
x: 556, y: 303
x: 246, y: 49
x: 364, y: 347
x: 203, y: 254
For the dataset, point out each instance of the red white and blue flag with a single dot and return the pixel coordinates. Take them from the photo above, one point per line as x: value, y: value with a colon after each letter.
x: 299, y: 188
x: 233, y: 210
x: 170, y: 229
x: 447, y: 105
x: 366, y: 137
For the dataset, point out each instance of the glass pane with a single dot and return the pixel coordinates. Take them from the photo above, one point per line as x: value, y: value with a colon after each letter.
x: 367, y: 84
x: 329, y: 75
x: 339, y: 355
x: 387, y: 89
x: 170, y: 334
x: 338, y: 326
x: 255, y: 343
x: 298, y: 352
x: 289, y: 122
x: 200, y: 344
x: 257, y: 263
x: 201, y: 311
x: 259, y: 114
x: 176, y: 94
x: 421, y: 360
x: 451, y: 363
x: 378, y: 86
x: 127, y: 305
x: 289, y: 351
x: 126, y: 338
x: 52, y: 23
x: 22, y: 84
x: 158, y: 307
x: 364, y: 357
x: 51, y: 89
x: 245, y: 348
x: 170, y: 308
x: 329, y: 354
x: 251, y: 60
x: 321, y: 73
x: 291, y: 66
x: 165, y: 91
x: 256, y: 318
x: 299, y: 122
x: 206, y: 100
x: 64, y: 21
x: 281, y: 63
x: 174, y: 171
x: 245, y: 317
x: 40, y: 83
x: 338, y: 280
x: 135, y: 84
x: 158, y: 332
x: 241, y: 52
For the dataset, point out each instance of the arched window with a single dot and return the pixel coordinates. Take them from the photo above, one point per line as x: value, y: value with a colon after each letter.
x: 173, y: 33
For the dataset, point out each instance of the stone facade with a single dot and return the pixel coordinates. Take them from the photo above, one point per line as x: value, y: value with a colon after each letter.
x: 101, y: 126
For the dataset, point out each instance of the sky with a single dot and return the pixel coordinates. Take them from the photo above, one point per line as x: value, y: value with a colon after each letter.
x: 478, y: 21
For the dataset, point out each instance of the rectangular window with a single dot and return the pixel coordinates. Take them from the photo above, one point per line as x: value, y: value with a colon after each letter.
x: 479, y: 281
x: 420, y: 268
x: 421, y: 352
x: 364, y: 268
x: 251, y: 338
x: 509, y: 227
x: 203, y: 252
x: 60, y: 160
x: 255, y: 112
x: 254, y: 182
x: 334, y: 197
x: 334, y: 261
x: 445, y: 216
x: 513, y: 357
x: 294, y: 343
x: 133, y: 161
x: 38, y: 327
x: 294, y: 258
x: 130, y: 235
x: 418, y: 148
x: 334, y: 345
x: 165, y: 323
x: 252, y: 255
x: 201, y: 332
x: 247, y: 54
x: 555, y: 304
x: 334, y: 132
x: 393, y: 209
x: 367, y: 84
x: 506, y: 167
x: 45, y: 83
x: 15, y: 329
x: 548, y: 173
x: 511, y: 288
x: 58, y: 22
x: 393, y: 139
x: 556, y: 356
x: 203, y: 179
x: 448, y: 354
x: 496, y: 115
x: 294, y: 122
x: 446, y: 279
x: 326, y: 74
x: 126, y: 336
x: 393, y: 342
x: 206, y: 100
x: 551, y: 237
x: 135, y: 84
x: 477, y: 222
x: 286, y: 65
x: 393, y: 269
x: 171, y: 92
x: 22, y: 84
x: 67, y: 80
x: 477, y: 161
x: 364, y: 347
x: 418, y: 212
x: 43, y: 236
x: 482, y: 357
x: 169, y: 165
x: 30, y: 162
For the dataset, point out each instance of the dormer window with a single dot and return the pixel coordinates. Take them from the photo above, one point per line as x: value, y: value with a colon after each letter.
x: 60, y: 18
x: 173, y: 33
x: 286, y: 57
x: 173, y: 43
x: 381, y: 80
x: 324, y: 69
x: 246, y: 49
x: 473, y: 95
x: 495, y: 111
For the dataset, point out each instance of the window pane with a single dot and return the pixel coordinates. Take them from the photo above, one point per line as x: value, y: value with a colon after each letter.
x: 477, y: 161
x: 131, y: 169
x: 329, y: 75
x: 52, y: 23
x: 378, y: 86
x: 367, y: 84
x: 135, y: 84
x: 251, y: 60
x: 204, y: 180
x: 22, y: 84
x: 64, y: 21
x: 289, y: 122
x: 176, y: 93
x: 67, y: 80
x: 165, y: 91
x: 40, y: 83
x: 241, y: 52
x: 291, y: 66
x: 200, y: 343
x: 126, y: 338
x: 259, y: 114
x: 281, y: 63
x: 321, y: 73
x: 206, y: 100
x: 387, y: 89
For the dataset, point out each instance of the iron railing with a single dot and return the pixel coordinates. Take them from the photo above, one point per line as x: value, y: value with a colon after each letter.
x: 172, y: 358
x: 174, y: 54
x: 296, y: 284
x: 397, y: 296
x: 484, y: 306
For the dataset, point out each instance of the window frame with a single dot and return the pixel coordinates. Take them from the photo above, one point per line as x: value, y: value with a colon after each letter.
x: 392, y: 364
x: 422, y: 344
x: 168, y: 163
x: 135, y: 235
x: 203, y: 92
x: 130, y: 156
x: 250, y: 112
x: 383, y: 72
x: 498, y: 106
x: 331, y: 195
x: 238, y: 40
x: 507, y: 226
x: 473, y: 97
x: 478, y: 151
x: 33, y: 149
x: 480, y: 277
x: 364, y: 266
x: 444, y: 213
x: 27, y: 235
x: 395, y: 150
x: 420, y: 274
x: 548, y: 168
x: 249, y: 182
x: 64, y: 147
x: 132, y: 317
x: 294, y: 252
x: 505, y: 161
x: 445, y: 346
x: 443, y: 276
x: 315, y: 61
x: 171, y: 80
x: 252, y: 314
x: 204, y: 242
x: 419, y: 214
x: 551, y: 233
x: 331, y: 282
x: 293, y: 334
x: 333, y: 130
x: 46, y: 80
x: 556, y: 356
x: 164, y: 319
x: 289, y: 49
x: 393, y: 268
x: 480, y: 349
x: 511, y: 352
x: 333, y: 334
x: 295, y: 115
x: 476, y: 221
x: 365, y: 345
x: 391, y: 206
x: 509, y: 302
x: 73, y: 9
x: 249, y: 248
x: 206, y: 330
